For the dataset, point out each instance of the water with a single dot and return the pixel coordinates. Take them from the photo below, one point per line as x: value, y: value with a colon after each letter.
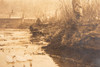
x: 15, y: 46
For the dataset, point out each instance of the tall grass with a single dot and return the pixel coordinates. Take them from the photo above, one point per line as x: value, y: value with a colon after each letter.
x: 70, y: 30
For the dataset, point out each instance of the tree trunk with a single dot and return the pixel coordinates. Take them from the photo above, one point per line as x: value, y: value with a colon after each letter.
x: 77, y: 9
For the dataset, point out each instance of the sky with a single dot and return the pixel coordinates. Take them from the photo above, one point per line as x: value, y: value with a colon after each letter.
x: 30, y: 7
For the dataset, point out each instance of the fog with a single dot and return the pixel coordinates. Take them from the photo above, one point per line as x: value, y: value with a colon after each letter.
x: 33, y: 8
x: 30, y: 7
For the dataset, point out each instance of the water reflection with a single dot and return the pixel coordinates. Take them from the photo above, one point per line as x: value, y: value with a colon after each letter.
x: 71, y: 57
x: 20, y: 52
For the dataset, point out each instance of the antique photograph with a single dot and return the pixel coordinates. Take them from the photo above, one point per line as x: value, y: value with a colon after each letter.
x: 49, y: 33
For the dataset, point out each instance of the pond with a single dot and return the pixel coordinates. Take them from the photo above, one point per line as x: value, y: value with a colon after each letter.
x: 16, y: 50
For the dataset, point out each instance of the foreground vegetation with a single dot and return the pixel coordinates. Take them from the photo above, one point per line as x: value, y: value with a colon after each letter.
x: 75, y: 41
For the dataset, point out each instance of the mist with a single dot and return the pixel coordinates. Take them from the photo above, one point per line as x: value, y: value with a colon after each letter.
x: 29, y: 7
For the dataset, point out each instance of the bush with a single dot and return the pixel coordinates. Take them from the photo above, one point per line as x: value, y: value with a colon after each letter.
x: 69, y: 30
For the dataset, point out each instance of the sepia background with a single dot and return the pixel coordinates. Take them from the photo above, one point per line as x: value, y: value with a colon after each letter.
x: 49, y: 33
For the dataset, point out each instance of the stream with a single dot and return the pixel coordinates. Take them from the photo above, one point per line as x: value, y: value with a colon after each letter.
x: 16, y: 50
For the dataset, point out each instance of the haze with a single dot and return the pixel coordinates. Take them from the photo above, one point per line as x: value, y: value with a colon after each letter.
x: 30, y: 7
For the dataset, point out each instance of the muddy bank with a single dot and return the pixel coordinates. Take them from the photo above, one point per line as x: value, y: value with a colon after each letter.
x: 84, y: 53
x: 73, y: 44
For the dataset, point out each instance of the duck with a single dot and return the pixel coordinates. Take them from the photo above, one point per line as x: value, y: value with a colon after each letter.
x: 10, y: 59
x: 28, y: 57
x: 20, y: 58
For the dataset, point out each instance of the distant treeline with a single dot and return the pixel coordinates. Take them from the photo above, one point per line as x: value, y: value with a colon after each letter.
x: 16, y: 23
